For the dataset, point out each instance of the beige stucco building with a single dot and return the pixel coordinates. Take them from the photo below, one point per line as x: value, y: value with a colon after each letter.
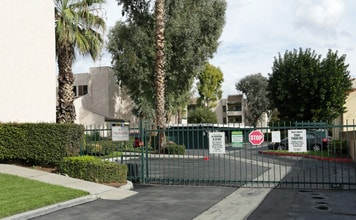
x: 27, y: 58
x: 350, y: 115
x: 229, y: 111
x: 99, y: 99
x: 232, y: 110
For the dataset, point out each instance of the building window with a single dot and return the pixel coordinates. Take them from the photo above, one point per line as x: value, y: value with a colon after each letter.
x: 239, y: 119
x: 238, y: 107
x: 235, y: 107
x: 224, y: 108
x: 82, y: 90
x: 75, y: 91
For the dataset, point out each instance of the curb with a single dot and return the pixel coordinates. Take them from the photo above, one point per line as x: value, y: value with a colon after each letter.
x: 127, y: 186
x: 343, y: 160
x: 52, y: 208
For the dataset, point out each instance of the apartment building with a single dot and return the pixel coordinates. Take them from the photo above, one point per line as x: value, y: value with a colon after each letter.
x: 348, y: 117
x: 99, y: 99
x: 233, y: 108
x: 228, y: 111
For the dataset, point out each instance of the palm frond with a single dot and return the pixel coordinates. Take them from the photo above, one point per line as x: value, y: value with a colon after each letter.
x: 78, y: 23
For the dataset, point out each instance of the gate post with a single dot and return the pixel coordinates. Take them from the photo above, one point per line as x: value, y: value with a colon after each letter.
x: 142, y: 135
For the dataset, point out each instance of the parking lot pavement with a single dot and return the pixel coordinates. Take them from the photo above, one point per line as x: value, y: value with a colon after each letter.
x: 307, y: 204
x: 150, y: 202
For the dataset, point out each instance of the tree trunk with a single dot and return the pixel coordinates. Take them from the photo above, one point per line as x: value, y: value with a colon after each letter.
x: 65, y: 105
x: 180, y: 115
x: 160, y: 74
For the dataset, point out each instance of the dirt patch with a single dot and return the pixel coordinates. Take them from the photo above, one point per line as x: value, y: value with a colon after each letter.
x: 46, y: 169
x: 114, y: 184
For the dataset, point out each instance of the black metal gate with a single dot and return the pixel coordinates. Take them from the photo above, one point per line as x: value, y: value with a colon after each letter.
x: 248, y: 165
x: 187, y: 157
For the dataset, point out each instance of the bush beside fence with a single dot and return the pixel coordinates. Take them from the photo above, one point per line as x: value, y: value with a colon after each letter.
x: 44, y: 144
x: 350, y: 136
x: 93, y: 169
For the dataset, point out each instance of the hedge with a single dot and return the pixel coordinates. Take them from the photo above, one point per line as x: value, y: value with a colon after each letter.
x: 92, y: 169
x: 44, y: 144
x: 338, y: 146
x: 173, y: 148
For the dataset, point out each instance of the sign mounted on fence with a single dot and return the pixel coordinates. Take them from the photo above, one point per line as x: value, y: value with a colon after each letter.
x: 216, y: 142
x: 237, y: 138
x: 256, y: 137
x: 297, y: 140
x: 120, y: 133
x: 276, y: 136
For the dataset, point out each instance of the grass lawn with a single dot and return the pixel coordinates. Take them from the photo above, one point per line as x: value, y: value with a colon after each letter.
x: 18, y: 194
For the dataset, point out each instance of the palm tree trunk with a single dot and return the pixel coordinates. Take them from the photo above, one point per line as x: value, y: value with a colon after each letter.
x: 65, y: 106
x: 159, y: 69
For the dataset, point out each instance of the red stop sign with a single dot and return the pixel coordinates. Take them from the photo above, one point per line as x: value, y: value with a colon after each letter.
x: 256, y: 137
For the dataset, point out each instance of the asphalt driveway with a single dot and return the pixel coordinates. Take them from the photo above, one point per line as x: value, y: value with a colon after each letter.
x: 151, y: 202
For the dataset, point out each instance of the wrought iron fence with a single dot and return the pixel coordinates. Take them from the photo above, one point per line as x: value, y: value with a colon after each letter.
x: 188, y: 155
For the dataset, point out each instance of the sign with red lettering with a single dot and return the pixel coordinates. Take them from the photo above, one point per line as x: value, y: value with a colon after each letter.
x: 256, y: 137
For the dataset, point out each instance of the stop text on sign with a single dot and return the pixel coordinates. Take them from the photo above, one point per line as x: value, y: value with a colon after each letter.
x: 256, y: 137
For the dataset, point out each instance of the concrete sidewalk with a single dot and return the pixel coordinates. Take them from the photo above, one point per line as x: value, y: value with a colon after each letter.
x: 237, y: 204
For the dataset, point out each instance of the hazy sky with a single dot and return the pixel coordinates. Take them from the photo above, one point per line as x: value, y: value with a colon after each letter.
x: 257, y: 30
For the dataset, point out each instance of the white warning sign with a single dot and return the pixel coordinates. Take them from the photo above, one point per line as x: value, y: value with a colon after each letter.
x: 216, y: 142
x: 297, y: 140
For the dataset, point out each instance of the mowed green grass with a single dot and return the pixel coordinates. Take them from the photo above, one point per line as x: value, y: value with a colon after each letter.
x: 18, y: 194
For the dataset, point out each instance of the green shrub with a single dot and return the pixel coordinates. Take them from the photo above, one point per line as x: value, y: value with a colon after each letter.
x: 95, y: 136
x: 92, y: 169
x: 173, y: 148
x: 202, y: 115
x: 3, y: 153
x: 101, y: 148
x: 338, y: 146
x: 93, y: 149
x: 42, y: 144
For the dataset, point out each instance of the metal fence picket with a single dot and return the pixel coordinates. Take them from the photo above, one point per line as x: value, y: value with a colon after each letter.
x: 247, y: 165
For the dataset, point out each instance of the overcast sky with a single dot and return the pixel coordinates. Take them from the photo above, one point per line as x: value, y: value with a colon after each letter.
x: 257, y: 30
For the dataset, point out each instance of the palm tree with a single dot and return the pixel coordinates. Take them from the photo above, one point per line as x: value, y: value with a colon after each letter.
x: 78, y: 27
x: 159, y: 69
